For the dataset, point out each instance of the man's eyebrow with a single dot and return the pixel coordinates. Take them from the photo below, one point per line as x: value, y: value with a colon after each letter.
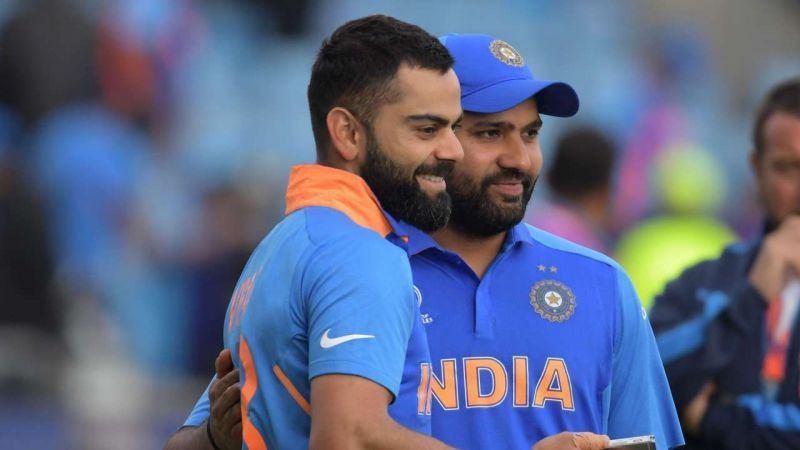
x: 535, y: 124
x: 491, y: 124
x: 439, y: 120
x: 503, y: 124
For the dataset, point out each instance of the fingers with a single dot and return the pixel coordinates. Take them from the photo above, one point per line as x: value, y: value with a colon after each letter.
x: 778, y: 260
x: 573, y: 441
x: 695, y: 411
x: 231, y: 419
x: 220, y: 385
x: 236, y: 433
x: 224, y: 363
x: 590, y: 441
x: 229, y: 398
x: 709, y: 389
x: 226, y: 416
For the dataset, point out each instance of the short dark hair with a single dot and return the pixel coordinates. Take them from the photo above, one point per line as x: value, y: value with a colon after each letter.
x: 783, y: 98
x: 355, y: 68
x: 583, y: 162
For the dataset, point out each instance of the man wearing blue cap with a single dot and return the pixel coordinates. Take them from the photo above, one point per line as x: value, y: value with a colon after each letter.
x: 530, y: 335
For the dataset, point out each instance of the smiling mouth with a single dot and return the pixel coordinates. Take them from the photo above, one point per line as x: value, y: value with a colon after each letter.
x: 512, y: 188
x: 431, y: 182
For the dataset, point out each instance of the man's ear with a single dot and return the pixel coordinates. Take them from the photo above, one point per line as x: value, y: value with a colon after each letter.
x: 347, y: 134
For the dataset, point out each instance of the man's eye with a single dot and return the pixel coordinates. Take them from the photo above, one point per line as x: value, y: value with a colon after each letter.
x: 785, y: 167
x: 489, y: 134
x: 532, y: 133
x: 428, y: 130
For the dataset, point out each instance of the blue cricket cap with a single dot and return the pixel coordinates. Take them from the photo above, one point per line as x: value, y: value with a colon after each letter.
x: 494, y: 77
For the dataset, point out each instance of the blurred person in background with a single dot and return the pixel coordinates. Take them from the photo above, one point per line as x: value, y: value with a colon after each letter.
x: 288, y: 17
x: 727, y: 328
x: 41, y: 36
x: 690, y: 188
x: 122, y: 207
x: 31, y: 343
x: 580, y: 183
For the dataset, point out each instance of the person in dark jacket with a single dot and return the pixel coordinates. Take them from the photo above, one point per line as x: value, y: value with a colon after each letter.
x: 727, y: 328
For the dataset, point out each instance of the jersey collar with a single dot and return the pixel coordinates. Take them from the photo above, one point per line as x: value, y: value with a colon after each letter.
x: 419, y: 241
x: 317, y: 185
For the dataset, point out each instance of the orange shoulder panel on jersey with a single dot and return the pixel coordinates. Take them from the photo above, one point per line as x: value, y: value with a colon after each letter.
x: 316, y: 185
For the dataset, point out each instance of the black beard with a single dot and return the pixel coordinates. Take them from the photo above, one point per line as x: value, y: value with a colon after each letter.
x: 399, y: 192
x: 474, y: 212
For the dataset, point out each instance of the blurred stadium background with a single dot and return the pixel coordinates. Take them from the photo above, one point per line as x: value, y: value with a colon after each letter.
x: 144, y: 147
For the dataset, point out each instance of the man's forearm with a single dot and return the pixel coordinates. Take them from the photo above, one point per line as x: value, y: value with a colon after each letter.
x: 190, y: 438
x: 382, y: 434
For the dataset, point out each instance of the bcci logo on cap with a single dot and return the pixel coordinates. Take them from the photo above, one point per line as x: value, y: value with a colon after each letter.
x: 553, y: 300
x: 506, y: 53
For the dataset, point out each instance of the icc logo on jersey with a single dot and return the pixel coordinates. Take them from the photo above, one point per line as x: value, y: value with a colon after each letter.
x: 553, y: 300
x: 426, y: 318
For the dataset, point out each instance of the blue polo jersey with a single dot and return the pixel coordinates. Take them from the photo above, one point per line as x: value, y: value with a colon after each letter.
x: 551, y: 339
x: 328, y: 291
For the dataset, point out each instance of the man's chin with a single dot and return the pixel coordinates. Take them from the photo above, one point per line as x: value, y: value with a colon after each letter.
x: 432, y: 193
x: 508, y: 203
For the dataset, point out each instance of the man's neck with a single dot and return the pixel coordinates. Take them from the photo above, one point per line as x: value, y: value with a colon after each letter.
x: 477, y: 251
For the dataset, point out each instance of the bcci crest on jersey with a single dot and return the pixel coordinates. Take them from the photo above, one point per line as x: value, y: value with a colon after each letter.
x: 553, y: 300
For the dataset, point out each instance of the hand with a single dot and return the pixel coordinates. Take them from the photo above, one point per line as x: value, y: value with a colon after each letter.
x: 573, y: 441
x: 778, y: 260
x: 225, y: 422
x: 694, y: 412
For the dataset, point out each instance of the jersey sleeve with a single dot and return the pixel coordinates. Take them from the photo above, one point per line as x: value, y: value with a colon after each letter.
x: 201, y: 411
x: 360, y: 310
x: 700, y: 331
x: 639, y: 398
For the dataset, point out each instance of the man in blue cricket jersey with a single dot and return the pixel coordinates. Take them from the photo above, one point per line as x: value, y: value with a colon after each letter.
x: 323, y: 325
x: 530, y: 335
x: 728, y: 328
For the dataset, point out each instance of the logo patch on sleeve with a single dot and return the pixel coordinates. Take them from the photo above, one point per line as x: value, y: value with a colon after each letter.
x: 552, y: 300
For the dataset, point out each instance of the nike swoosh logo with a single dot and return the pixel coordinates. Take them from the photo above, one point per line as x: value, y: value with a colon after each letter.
x: 328, y: 342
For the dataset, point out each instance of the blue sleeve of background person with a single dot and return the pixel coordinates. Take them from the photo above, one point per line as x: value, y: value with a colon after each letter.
x: 700, y: 330
x: 639, y: 399
x: 201, y: 411
x: 752, y: 423
x: 359, y: 286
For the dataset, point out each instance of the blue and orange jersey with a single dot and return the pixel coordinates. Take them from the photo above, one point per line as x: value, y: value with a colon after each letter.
x: 552, y: 338
x: 329, y: 290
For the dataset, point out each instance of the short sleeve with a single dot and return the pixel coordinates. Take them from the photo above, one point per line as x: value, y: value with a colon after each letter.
x: 360, y: 308
x: 640, y: 402
x: 201, y: 411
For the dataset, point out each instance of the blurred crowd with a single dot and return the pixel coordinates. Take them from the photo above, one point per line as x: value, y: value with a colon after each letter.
x: 144, y: 147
